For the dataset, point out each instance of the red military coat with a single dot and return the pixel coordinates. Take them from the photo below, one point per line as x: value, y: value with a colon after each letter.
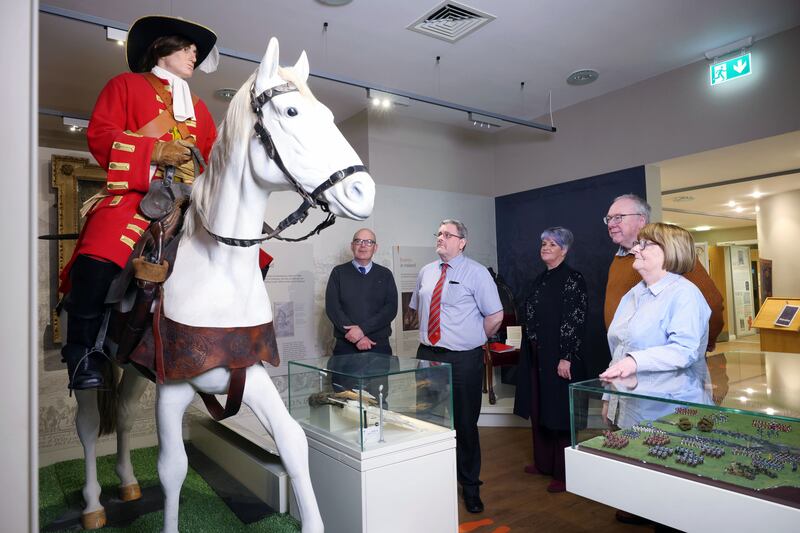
x: 115, y: 223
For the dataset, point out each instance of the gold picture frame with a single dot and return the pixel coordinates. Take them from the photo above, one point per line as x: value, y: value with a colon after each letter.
x: 75, y: 181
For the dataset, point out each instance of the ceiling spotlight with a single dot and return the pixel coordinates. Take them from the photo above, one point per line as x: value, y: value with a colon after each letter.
x: 731, y: 204
x: 582, y: 77
x: 113, y: 34
x: 757, y: 194
x: 739, y: 209
x: 75, y: 124
x: 758, y: 209
x: 386, y: 100
x: 225, y: 94
x: 702, y: 228
x: 482, y: 121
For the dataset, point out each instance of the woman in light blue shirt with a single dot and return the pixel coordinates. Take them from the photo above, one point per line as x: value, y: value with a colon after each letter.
x: 661, y: 323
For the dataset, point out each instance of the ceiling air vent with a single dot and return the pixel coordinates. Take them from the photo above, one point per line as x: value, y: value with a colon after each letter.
x: 451, y: 21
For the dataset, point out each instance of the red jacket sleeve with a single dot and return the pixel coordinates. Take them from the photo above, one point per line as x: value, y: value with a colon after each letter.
x: 119, y: 112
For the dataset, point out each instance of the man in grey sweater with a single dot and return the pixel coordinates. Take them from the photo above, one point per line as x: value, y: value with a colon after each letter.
x: 361, y: 302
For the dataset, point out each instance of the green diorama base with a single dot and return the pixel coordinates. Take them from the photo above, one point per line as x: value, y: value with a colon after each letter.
x: 201, y: 509
x: 745, y: 439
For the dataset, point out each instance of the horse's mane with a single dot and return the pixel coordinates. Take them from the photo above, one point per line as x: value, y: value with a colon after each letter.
x: 231, y: 143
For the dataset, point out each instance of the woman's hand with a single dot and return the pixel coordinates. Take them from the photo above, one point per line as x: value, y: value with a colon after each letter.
x: 621, y: 369
x: 563, y: 369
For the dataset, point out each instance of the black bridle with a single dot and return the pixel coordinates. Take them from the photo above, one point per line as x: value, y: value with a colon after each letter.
x: 311, y: 200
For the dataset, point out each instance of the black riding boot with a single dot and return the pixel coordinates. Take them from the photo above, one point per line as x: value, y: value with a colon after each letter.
x: 85, y: 367
x: 85, y: 306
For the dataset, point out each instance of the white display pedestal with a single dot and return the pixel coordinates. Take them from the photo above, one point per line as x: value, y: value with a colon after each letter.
x: 671, y: 500
x: 404, y: 484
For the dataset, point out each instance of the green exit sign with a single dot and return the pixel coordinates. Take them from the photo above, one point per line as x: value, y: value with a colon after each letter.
x: 731, y: 69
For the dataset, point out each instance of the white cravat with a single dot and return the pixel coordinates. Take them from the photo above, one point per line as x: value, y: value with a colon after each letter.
x: 182, y: 106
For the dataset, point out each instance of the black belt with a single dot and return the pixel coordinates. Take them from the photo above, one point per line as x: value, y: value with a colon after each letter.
x: 437, y: 349
x: 441, y: 349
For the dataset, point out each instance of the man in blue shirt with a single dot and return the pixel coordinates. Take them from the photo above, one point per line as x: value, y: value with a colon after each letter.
x: 458, y: 307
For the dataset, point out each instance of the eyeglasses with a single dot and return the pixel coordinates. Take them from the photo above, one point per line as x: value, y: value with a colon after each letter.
x: 616, y: 219
x: 446, y: 235
x: 643, y: 243
x: 369, y: 243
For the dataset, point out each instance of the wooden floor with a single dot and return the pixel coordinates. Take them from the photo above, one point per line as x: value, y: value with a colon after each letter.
x: 750, y: 343
x: 517, y: 502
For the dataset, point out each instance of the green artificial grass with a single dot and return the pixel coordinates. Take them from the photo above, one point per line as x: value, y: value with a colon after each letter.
x: 201, y: 509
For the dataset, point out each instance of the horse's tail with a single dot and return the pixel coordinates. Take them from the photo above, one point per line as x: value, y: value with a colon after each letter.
x: 107, y: 401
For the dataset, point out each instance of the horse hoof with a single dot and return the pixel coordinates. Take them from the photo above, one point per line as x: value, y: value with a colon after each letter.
x: 94, y: 520
x: 129, y: 493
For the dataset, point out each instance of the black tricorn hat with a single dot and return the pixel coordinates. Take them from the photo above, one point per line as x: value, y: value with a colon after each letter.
x: 147, y: 29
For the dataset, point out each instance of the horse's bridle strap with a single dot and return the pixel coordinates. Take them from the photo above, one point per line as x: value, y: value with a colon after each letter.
x: 299, y: 215
x: 310, y: 201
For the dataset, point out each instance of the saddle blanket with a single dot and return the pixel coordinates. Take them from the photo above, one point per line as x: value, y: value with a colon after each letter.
x: 189, y: 350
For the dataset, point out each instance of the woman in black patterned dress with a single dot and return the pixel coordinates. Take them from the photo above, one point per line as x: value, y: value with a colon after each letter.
x: 553, y: 317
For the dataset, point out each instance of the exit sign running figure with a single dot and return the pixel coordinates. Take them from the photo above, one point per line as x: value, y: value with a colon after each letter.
x: 731, y: 69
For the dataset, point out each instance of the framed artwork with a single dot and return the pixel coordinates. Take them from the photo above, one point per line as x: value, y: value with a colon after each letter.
x: 75, y: 181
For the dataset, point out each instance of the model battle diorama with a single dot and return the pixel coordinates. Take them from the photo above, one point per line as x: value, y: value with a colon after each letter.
x: 735, y: 448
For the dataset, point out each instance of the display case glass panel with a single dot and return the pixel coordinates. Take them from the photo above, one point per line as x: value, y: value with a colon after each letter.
x: 368, y: 400
x: 731, y: 420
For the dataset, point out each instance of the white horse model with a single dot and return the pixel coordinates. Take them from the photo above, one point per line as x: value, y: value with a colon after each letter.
x: 215, y: 284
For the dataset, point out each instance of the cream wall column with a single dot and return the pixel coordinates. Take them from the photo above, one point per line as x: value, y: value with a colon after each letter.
x: 778, y: 235
x: 18, y: 40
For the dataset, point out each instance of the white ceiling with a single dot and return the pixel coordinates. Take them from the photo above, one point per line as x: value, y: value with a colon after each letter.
x: 539, y: 42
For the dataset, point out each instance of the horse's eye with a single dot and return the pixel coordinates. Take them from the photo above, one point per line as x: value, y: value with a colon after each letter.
x: 292, y: 112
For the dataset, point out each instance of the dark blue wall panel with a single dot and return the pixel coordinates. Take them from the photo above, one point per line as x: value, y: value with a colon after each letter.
x: 580, y: 206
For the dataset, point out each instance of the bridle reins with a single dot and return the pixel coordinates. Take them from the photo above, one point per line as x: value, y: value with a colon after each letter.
x: 311, y: 200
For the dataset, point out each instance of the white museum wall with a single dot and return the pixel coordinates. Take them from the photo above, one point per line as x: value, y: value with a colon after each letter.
x: 355, y: 131
x: 778, y: 235
x: 18, y: 461
x: 415, y: 153
x: 670, y: 115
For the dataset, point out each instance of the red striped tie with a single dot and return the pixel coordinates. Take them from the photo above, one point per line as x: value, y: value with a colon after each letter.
x: 434, y: 334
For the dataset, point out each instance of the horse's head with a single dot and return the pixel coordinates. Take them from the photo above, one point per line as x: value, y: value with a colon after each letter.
x: 307, y: 144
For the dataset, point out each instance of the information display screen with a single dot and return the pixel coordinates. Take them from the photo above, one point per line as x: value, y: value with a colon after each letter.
x: 787, y: 315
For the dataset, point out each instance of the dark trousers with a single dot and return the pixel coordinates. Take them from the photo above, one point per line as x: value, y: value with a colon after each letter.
x: 345, y: 359
x: 548, y: 451
x: 85, y: 303
x: 467, y: 375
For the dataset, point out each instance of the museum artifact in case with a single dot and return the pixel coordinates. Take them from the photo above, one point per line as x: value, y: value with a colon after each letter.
x: 731, y: 421
x: 381, y: 422
x: 368, y: 400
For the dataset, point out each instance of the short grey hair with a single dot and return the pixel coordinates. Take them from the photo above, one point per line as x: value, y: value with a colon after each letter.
x: 561, y: 236
x: 642, y: 207
x: 374, y: 237
x: 462, y: 229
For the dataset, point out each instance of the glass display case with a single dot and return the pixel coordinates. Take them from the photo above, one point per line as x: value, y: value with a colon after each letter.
x: 731, y: 421
x: 368, y: 401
